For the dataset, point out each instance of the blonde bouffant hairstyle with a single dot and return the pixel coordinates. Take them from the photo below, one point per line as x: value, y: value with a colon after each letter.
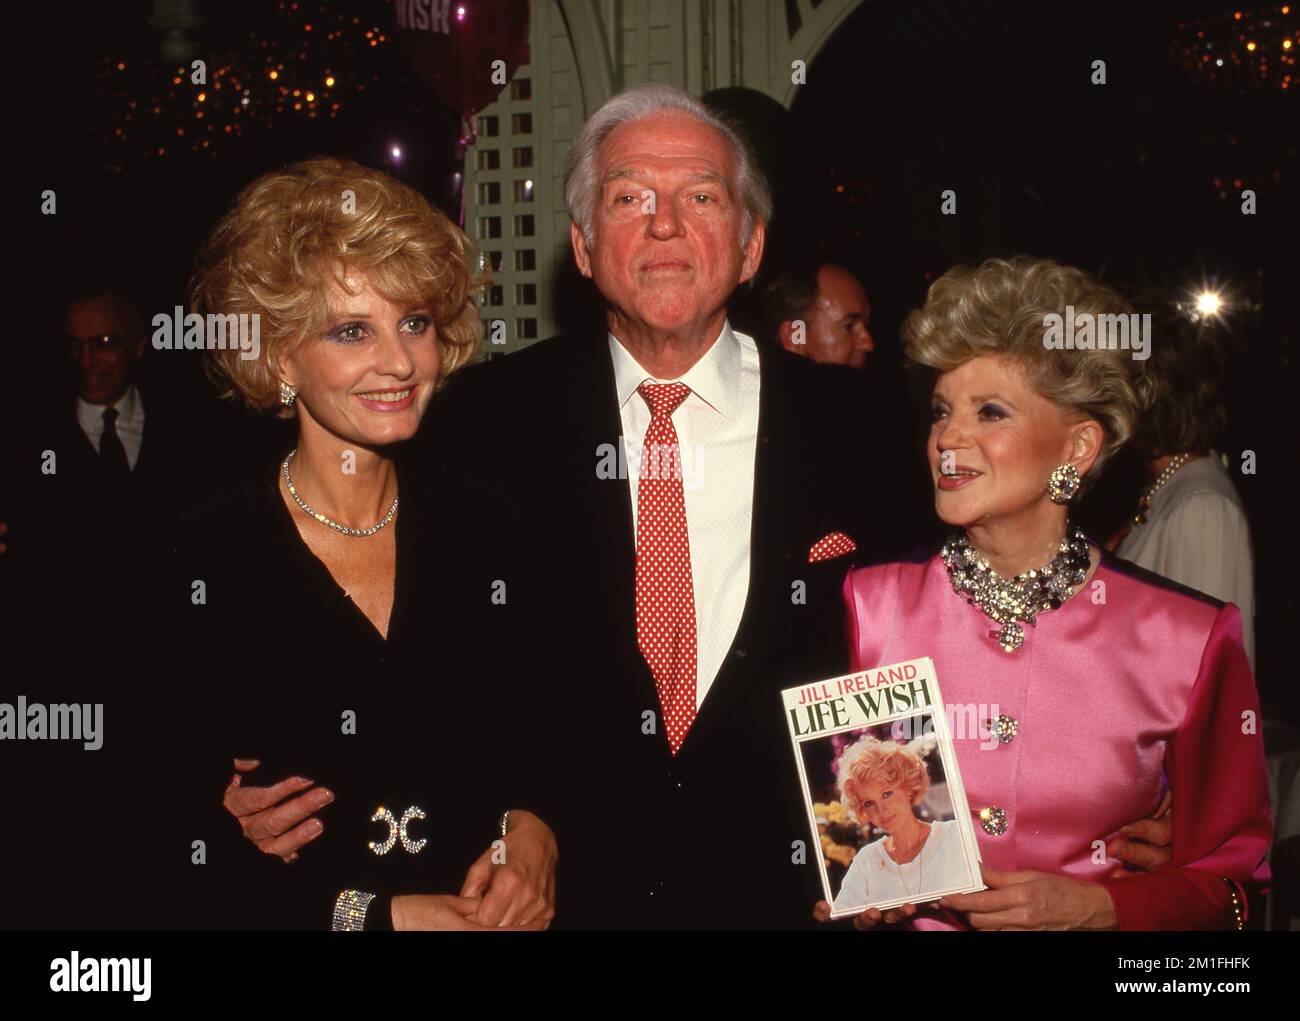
x: 294, y: 232
x: 870, y: 760
x: 998, y: 308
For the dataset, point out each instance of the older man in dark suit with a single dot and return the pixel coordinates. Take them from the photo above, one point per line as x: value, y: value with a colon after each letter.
x: 670, y: 602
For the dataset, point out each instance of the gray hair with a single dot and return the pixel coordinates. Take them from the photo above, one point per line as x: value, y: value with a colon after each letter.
x: 580, y: 184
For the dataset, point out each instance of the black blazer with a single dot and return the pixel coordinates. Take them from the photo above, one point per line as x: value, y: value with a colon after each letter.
x: 72, y: 532
x: 66, y: 596
x: 175, y: 441
x: 716, y: 837
x: 268, y: 665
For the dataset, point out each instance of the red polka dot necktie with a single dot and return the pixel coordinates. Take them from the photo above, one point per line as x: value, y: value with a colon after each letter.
x: 665, y: 592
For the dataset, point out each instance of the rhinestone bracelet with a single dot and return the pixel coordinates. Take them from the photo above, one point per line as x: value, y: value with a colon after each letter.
x: 350, y: 911
x: 1238, y: 909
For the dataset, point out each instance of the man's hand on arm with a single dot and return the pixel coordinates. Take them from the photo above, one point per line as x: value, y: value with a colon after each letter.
x: 278, y: 819
x: 516, y: 882
x: 1146, y: 842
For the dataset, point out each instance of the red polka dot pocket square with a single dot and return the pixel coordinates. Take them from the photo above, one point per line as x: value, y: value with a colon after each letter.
x: 831, y: 546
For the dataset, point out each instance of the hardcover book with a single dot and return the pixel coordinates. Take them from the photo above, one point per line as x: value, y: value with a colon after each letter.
x: 879, y: 775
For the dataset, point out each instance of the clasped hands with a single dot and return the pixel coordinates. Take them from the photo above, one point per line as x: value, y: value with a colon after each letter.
x: 506, y: 888
x: 1032, y: 900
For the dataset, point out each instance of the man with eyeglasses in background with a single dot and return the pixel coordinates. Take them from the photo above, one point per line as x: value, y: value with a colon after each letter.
x: 74, y: 499
x: 106, y: 439
x: 97, y: 451
x: 105, y: 339
x: 102, y: 333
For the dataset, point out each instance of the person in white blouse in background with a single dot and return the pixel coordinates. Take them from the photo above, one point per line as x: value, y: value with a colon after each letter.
x: 1191, y: 524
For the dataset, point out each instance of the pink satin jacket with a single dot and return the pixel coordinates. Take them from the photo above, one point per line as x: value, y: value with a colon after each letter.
x: 1131, y: 677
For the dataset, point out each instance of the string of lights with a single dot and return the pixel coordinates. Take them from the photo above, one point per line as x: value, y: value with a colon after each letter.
x: 316, y: 59
x: 1248, y: 49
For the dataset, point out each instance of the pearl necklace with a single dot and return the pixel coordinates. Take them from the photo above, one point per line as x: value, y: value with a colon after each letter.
x: 1148, y: 495
x: 356, y: 533
x: 1025, y: 595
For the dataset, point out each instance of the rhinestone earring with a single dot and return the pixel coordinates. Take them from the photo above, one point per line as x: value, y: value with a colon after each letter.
x: 1063, y: 483
x: 287, y: 394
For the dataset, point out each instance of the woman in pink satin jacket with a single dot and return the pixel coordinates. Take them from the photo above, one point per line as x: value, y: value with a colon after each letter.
x: 1092, y: 679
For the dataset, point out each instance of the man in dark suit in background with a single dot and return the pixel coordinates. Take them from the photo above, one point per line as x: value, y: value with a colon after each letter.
x: 88, y: 469
x: 813, y: 307
x: 94, y: 457
x: 818, y: 310
x: 84, y: 451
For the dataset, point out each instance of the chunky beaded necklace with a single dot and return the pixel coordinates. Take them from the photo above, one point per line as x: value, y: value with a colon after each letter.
x: 1025, y: 595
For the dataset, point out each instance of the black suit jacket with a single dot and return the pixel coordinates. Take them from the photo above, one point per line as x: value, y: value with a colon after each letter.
x: 715, y: 837
x: 75, y: 633
x: 73, y: 530
x: 277, y: 624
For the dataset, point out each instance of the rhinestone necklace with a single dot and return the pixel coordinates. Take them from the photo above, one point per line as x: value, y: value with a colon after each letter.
x: 356, y: 533
x: 1025, y: 595
x: 1144, y: 504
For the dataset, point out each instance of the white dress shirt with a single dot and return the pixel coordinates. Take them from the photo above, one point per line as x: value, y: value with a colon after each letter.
x: 717, y: 428
x: 129, y: 424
